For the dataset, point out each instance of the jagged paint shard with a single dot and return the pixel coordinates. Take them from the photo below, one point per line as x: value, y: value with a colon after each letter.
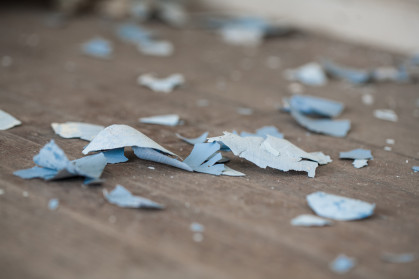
x: 272, y: 152
x: 7, y: 121
x: 338, y: 207
x: 84, y: 131
x: 356, y: 154
x: 54, y: 164
x: 123, y: 198
x: 264, y: 132
x: 201, y: 139
x: 360, y: 163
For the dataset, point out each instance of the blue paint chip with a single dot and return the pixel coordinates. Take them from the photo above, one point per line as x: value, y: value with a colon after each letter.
x: 342, y: 264
x: 98, y: 47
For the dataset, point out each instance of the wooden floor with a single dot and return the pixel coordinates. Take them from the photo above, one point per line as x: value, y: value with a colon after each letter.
x: 247, y: 220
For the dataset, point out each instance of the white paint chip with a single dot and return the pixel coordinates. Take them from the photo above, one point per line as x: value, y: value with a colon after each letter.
x: 367, y: 99
x: 84, y: 131
x: 308, y: 220
x: 196, y: 227
x: 386, y: 114
x: 165, y: 85
x: 165, y: 120
x: 342, y: 264
x: 7, y: 121
x: 360, y: 163
x: 390, y: 141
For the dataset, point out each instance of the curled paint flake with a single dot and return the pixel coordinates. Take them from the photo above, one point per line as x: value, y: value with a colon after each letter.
x: 335, y: 128
x: 118, y: 136
x: 201, y: 139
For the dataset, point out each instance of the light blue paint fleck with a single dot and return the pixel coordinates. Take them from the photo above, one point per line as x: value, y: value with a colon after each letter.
x: 98, y: 47
x: 115, y: 156
x: 121, y: 197
x: 342, y: 264
x: 338, y: 207
x: 53, y: 204
x: 356, y: 154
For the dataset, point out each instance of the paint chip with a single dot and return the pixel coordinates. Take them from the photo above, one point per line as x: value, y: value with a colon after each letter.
x: 98, y: 47
x: 342, y: 264
x: 121, y: 197
x: 308, y: 220
x: 165, y: 120
x: 339, y: 208
x: 53, y: 204
x: 84, y: 131
x: 165, y: 85
x: 7, y: 121
x: 308, y: 74
x: 386, y: 114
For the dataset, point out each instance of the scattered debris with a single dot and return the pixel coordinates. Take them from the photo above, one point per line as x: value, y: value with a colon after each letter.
x: 153, y: 155
x: 246, y: 31
x: 387, y: 148
x: 156, y: 48
x: 356, y: 154
x: 391, y: 74
x: 7, y: 121
x: 201, y: 139
x: 308, y: 74
x: 273, y: 152
x: 123, y: 198
x: 339, y: 208
x: 264, y: 132
x: 230, y: 172
x: 245, y: 111
x: 360, y: 163
x: 308, y: 220
x: 415, y: 168
x: 299, y: 105
x: 360, y: 157
x: 316, y: 106
x: 349, y: 74
x: 166, y: 120
x: 196, y: 227
x: 98, y: 47
x: 204, y: 158
x: 342, y: 264
x: 84, y: 131
x: 53, y: 204
x: 398, y: 258
x: 386, y: 114
x: 390, y: 141
x: 335, y: 128
x: 368, y: 99
x: 54, y: 164
x: 165, y: 85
